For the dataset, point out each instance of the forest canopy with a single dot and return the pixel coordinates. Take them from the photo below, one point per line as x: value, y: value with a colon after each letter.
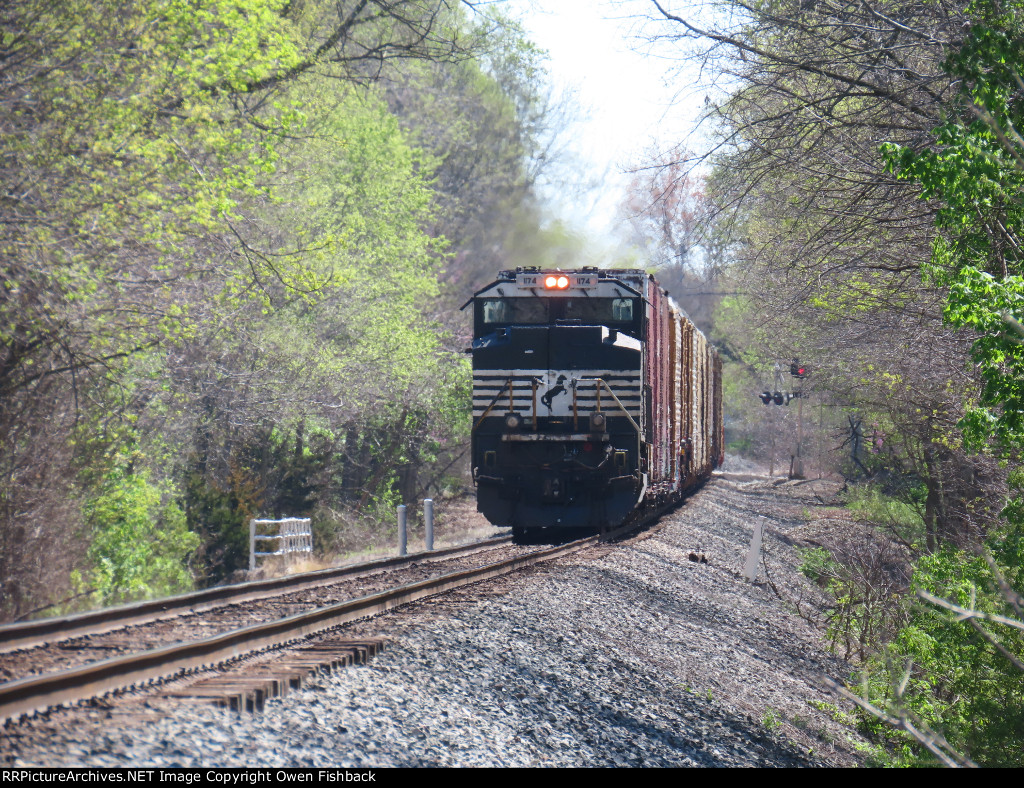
x: 226, y: 229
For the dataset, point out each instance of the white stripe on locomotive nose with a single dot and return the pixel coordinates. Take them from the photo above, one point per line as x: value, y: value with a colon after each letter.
x: 554, y: 391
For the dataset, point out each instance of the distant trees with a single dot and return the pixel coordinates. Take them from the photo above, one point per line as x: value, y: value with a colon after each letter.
x: 492, y: 126
x: 840, y: 118
x: 829, y: 243
x: 220, y: 238
x: 670, y: 215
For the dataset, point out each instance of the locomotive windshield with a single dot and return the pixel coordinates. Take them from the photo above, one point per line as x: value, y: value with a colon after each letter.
x: 503, y: 311
x: 599, y: 311
x: 534, y: 311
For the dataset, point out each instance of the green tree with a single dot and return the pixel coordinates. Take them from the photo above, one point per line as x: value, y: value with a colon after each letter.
x: 964, y: 678
x: 975, y: 170
x: 149, y: 260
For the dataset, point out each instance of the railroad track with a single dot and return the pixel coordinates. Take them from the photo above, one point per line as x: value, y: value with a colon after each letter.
x: 178, y: 655
x: 31, y: 634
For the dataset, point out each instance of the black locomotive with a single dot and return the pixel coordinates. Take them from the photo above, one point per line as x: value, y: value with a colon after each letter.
x: 594, y: 396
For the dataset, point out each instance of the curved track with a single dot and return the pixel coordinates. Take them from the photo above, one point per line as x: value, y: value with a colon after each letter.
x: 47, y: 630
x: 39, y: 692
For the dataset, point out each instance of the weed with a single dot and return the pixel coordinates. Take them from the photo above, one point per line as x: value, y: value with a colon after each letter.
x: 833, y: 711
x: 875, y: 756
x: 817, y: 564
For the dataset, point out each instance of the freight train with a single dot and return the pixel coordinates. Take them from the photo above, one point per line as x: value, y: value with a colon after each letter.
x: 595, y: 399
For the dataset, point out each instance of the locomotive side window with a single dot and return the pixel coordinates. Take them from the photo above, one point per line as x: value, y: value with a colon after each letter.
x: 496, y: 311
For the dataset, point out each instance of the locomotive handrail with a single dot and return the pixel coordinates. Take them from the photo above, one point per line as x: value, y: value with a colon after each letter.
x: 508, y: 385
x: 602, y: 382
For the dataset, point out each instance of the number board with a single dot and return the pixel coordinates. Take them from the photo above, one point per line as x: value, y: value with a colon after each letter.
x: 575, y: 280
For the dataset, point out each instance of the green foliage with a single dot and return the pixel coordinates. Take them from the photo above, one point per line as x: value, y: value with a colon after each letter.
x: 370, y: 265
x: 979, y: 300
x: 852, y: 620
x: 221, y: 252
x: 837, y: 714
x: 817, y: 565
x: 220, y: 513
x: 900, y: 516
x: 140, y: 545
x: 865, y: 579
x: 976, y: 172
x: 958, y: 681
x: 134, y: 145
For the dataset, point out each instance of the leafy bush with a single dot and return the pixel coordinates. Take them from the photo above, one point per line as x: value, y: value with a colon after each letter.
x: 140, y: 544
x: 817, y: 565
x: 957, y: 677
x: 900, y: 517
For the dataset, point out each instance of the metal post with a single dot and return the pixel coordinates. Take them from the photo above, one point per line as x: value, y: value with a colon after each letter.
x: 403, y: 535
x: 754, y: 556
x: 252, y: 545
x: 796, y: 470
x: 428, y: 521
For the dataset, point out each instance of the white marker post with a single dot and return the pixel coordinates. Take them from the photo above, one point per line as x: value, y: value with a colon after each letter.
x: 754, y: 557
x: 428, y: 522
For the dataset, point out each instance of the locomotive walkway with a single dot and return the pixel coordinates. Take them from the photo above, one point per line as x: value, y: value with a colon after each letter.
x: 654, y: 651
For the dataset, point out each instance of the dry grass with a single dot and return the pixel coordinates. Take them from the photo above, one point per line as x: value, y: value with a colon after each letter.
x: 342, y: 538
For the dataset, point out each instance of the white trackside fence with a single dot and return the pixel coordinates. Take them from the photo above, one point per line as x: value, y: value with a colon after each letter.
x: 288, y: 536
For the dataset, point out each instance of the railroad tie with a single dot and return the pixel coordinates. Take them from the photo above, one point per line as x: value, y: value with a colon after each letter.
x: 247, y: 688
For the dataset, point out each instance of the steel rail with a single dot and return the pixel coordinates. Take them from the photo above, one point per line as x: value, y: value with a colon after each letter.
x: 37, y: 693
x: 36, y: 633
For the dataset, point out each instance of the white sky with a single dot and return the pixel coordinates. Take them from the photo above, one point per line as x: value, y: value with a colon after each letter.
x: 627, y: 100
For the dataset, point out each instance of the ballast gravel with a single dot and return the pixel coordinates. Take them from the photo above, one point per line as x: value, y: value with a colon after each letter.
x: 652, y: 652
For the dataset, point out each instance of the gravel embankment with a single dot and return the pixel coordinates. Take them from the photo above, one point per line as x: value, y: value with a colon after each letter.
x: 625, y: 655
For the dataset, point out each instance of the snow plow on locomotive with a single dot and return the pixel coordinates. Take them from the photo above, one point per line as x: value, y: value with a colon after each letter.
x: 594, y: 397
